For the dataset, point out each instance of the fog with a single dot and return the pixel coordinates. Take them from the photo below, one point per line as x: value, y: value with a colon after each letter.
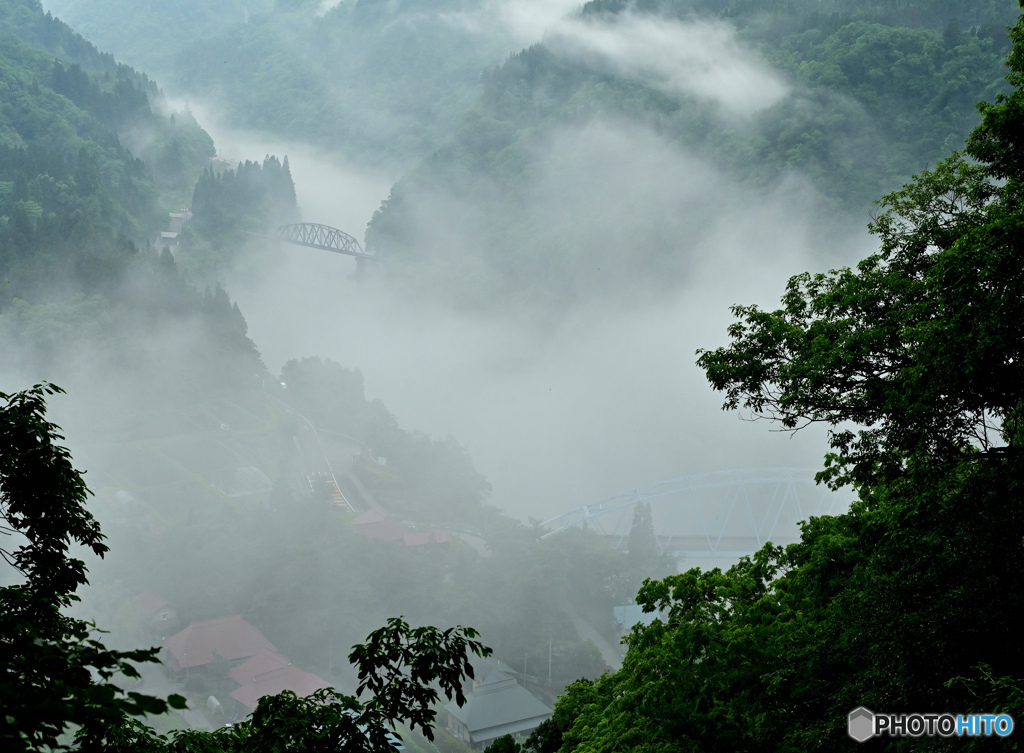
x: 550, y: 280
x: 564, y: 208
x: 701, y: 58
x: 520, y: 22
x: 561, y: 408
x: 606, y: 396
x: 599, y: 399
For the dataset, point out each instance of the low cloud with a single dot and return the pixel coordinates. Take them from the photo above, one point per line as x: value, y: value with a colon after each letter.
x: 697, y: 58
x: 605, y: 396
x: 524, y: 22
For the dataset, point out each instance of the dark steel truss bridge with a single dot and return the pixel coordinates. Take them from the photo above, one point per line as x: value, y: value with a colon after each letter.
x: 324, y: 237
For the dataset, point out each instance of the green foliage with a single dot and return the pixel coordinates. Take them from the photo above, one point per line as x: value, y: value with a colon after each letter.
x: 870, y: 102
x: 399, y: 663
x: 912, y: 360
x: 62, y: 95
x: 254, y: 197
x: 149, y: 33
x: 53, y: 672
x: 226, y: 204
x: 327, y: 720
x: 57, y: 676
x: 643, y: 552
x: 43, y: 499
x: 114, y: 108
x: 550, y: 735
x: 381, y: 82
x: 75, y: 204
x: 76, y: 207
x: 504, y: 744
x: 103, y: 309
x: 858, y: 346
x: 26, y: 21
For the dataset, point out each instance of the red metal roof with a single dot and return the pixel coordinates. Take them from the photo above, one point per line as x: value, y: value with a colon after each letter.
x: 228, y: 637
x: 264, y: 661
x: 270, y: 683
x: 416, y: 539
x: 371, y: 516
x: 385, y: 530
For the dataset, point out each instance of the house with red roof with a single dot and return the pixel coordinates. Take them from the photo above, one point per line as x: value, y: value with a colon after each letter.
x: 230, y: 638
x: 264, y: 661
x: 427, y: 538
x: 288, y: 677
x: 377, y: 524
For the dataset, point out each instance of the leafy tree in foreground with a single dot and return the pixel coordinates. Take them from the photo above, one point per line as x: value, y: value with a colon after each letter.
x: 56, y: 677
x: 53, y: 672
x: 398, y: 664
x: 911, y: 602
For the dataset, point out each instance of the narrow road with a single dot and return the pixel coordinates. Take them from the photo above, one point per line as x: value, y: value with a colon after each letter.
x: 315, y: 456
x: 611, y: 654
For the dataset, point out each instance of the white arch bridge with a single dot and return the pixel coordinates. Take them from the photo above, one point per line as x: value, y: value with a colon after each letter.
x: 726, y: 514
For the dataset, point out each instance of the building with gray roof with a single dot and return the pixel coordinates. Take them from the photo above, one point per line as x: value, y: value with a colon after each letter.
x: 496, y: 706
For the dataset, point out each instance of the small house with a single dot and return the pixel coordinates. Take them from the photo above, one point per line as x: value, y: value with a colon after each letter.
x: 496, y: 706
x: 231, y: 638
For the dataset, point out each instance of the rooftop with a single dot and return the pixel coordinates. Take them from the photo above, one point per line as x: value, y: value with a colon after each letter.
x: 273, y: 682
x: 228, y: 637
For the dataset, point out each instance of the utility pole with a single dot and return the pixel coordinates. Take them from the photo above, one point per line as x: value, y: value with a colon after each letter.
x: 549, y: 657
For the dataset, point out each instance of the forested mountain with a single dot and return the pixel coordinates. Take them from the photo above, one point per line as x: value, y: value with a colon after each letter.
x: 381, y: 82
x: 526, y: 193
x: 101, y: 101
x: 867, y: 612
x: 91, y: 160
x: 90, y: 300
x: 228, y: 202
x: 826, y: 105
x: 588, y: 168
x: 151, y: 33
x: 169, y: 400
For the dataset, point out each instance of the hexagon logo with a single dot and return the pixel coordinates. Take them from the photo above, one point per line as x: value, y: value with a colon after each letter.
x: 861, y: 724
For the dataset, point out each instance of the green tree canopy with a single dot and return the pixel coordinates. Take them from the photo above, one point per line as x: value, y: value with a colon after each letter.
x: 57, y: 678
x: 53, y: 671
x: 920, y: 345
x: 909, y: 602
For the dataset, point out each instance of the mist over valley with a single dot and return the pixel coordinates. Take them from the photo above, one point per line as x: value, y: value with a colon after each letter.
x: 556, y: 207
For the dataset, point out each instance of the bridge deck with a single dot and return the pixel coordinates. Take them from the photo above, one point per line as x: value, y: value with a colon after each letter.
x: 323, y: 237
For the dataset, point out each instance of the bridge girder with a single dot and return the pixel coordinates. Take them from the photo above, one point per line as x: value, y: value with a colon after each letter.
x: 725, y: 514
x: 323, y: 237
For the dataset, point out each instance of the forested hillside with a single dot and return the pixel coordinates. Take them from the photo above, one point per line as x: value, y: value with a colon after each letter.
x: 381, y: 83
x: 588, y: 168
x: 869, y: 609
x: 526, y: 192
x: 102, y: 102
x: 92, y: 160
x: 170, y: 404
x: 826, y: 107
x: 151, y: 33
